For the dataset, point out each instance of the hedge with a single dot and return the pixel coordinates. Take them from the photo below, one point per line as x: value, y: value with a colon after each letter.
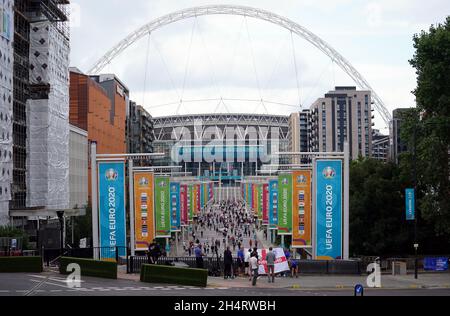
x: 90, y: 267
x: 21, y: 264
x: 151, y: 273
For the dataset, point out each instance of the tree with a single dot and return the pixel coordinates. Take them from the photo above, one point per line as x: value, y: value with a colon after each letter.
x: 82, y: 228
x: 428, y: 129
x: 12, y: 232
x: 377, y: 219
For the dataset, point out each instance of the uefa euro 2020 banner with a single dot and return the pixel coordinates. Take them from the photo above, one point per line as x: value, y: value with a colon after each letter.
x: 265, y: 209
x: 328, y: 209
x: 301, y: 205
x: 111, y: 192
x: 184, y: 212
x: 175, y: 209
x: 273, y: 204
x: 143, y: 210
x: 285, y: 204
x: 162, y: 207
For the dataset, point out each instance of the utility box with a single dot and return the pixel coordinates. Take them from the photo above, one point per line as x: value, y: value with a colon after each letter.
x: 398, y: 268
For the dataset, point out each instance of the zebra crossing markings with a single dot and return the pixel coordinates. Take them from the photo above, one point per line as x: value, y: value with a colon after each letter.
x: 109, y: 289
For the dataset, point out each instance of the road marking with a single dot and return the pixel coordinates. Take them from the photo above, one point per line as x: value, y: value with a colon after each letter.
x: 56, y: 279
x: 50, y: 283
x: 4, y: 291
x: 56, y: 291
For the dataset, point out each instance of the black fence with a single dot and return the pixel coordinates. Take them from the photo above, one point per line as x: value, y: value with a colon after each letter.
x: 215, y: 266
x: 117, y: 254
x: 386, y: 262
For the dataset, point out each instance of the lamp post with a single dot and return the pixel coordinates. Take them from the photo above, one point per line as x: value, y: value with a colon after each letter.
x: 416, y: 245
x: 61, y: 227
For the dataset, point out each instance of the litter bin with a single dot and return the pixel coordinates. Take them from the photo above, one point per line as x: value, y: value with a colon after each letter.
x: 398, y: 268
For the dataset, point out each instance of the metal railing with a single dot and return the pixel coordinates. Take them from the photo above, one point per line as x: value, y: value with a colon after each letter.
x: 215, y: 266
x: 386, y: 262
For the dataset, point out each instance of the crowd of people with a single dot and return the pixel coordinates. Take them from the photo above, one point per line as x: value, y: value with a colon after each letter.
x: 224, y: 229
x: 219, y: 227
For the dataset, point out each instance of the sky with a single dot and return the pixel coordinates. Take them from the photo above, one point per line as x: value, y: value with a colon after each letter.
x: 228, y: 64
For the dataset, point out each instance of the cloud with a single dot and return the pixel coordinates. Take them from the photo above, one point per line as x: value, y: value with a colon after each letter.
x: 375, y: 36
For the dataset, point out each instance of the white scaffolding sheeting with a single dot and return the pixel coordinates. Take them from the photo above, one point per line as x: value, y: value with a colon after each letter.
x: 48, y: 119
x: 6, y: 104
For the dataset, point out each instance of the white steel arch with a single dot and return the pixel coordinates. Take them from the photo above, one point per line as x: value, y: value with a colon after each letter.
x: 253, y: 13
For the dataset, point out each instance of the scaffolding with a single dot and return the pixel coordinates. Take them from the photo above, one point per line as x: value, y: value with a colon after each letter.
x: 20, y: 96
x: 55, y: 11
x: 25, y: 13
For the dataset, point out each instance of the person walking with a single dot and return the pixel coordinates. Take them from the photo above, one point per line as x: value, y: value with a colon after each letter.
x: 294, y: 268
x: 199, y: 256
x: 254, y: 265
x: 248, y: 271
x: 270, y: 258
x: 241, y: 259
x: 154, y: 252
x: 228, y: 262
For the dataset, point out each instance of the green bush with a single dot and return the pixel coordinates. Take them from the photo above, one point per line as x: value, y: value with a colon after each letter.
x: 90, y: 267
x: 173, y: 275
x: 21, y: 264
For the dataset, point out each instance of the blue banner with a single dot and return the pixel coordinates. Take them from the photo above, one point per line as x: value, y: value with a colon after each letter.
x: 435, y: 264
x: 175, y: 209
x: 202, y: 196
x: 273, y: 204
x: 111, y: 192
x: 410, y: 204
x: 329, y: 209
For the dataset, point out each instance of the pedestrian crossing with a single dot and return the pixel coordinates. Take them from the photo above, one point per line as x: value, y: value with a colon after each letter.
x: 117, y: 289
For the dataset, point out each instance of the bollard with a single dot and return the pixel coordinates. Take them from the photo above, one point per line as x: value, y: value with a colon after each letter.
x: 359, y: 289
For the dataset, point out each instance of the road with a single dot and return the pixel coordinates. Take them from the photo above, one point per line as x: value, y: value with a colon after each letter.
x: 52, y: 284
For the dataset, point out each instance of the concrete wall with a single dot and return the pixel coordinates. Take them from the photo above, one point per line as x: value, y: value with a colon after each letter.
x: 78, y: 168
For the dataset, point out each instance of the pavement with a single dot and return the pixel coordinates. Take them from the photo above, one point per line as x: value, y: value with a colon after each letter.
x: 53, y: 284
x: 327, y: 282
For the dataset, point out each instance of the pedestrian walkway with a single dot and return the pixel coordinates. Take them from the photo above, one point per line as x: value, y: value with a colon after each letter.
x: 429, y: 280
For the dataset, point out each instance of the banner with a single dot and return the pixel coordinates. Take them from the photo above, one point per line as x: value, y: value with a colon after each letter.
x: 202, y: 196
x: 410, y: 204
x: 162, y: 207
x: 143, y: 210
x: 184, y: 211
x: 211, y: 191
x: 328, y: 209
x: 301, y: 217
x: 435, y: 264
x: 196, y: 196
x: 265, y: 201
x: 255, y: 200
x: 285, y: 204
x: 191, y: 202
x: 206, y: 193
x: 281, y: 263
x: 175, y: 210
x: 249, y: 196
x: 259, y: 199
x: 273, y: 204
x: 111, y: 193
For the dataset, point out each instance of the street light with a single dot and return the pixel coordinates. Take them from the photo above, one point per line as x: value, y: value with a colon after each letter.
x: 61, y: 226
